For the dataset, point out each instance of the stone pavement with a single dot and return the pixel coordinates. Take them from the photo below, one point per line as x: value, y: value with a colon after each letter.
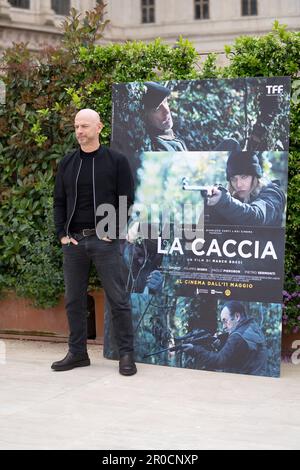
x: 159, y: 408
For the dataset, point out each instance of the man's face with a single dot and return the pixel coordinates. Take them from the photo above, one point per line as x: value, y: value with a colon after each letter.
x: 229, y: 324
x: 161, y: 118
x: 242, y: 184
x: 87, y: 130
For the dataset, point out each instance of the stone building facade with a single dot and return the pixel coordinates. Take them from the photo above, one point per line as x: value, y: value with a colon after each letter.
x: 209, y: 24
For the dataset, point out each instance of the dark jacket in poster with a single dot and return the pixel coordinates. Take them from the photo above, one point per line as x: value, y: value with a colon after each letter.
x: 266, y: 209
x: 244, y: 352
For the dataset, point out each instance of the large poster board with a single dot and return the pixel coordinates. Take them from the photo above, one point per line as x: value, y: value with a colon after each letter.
x: 204, y: 258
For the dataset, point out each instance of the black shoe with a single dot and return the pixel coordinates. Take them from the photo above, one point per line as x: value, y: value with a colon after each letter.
x: 127, y: 365
x: 71, y: 361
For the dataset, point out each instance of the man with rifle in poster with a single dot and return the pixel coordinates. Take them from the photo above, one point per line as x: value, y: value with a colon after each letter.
x: 244, y: 351
x: 240, y: 349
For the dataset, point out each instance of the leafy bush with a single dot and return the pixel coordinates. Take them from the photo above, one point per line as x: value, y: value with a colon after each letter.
x: 291, y: 306
x: 43, y: 93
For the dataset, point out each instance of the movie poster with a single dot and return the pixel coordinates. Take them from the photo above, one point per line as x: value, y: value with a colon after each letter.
x: 204, y: 254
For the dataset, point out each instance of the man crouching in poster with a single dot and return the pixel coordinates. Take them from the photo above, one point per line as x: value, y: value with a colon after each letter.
x: 250, y: 199
x: 245, y: 350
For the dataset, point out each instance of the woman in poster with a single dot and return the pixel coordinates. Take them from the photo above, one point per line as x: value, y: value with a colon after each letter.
x: 250, y: 199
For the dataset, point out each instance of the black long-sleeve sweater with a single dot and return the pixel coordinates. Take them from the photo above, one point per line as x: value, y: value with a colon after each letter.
x: 110, y: 178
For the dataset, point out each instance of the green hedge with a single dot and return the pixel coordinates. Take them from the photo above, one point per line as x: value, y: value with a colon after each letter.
x: 43, y: 93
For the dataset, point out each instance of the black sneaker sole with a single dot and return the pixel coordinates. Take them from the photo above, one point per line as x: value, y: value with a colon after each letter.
x: 84, y: 363
x: 128, y: 373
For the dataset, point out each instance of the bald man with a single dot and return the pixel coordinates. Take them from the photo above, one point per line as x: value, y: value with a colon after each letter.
x: 87, y: 179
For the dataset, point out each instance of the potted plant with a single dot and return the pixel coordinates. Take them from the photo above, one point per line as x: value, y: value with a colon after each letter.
x: 290, y: 316
x: 32, y: 303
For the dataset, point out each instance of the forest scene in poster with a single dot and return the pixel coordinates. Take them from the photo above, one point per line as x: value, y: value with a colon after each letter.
x: 204, y: 256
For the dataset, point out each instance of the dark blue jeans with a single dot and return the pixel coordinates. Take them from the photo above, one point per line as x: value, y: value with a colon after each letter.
x: 77, y: 263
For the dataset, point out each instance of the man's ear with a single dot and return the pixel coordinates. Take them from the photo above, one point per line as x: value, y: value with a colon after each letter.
x: 238, y: 316
x: 101, y: 125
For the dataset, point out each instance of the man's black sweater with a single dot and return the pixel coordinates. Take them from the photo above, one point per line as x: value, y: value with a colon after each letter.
x: 84, y: 212
x: 103, y: 175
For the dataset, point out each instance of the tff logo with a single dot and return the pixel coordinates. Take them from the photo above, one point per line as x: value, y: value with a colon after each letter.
x: 274, y: 89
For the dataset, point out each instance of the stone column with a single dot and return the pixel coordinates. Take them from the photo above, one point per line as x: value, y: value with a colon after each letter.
x: 46, y: 12
x: 4, y: 9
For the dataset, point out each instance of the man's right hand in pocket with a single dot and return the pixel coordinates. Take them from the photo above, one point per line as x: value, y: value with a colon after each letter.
x: 68, y: 240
